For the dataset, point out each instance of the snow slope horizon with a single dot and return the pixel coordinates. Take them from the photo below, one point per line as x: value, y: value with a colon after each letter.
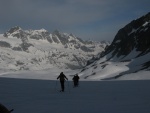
x: 102, y: 75
x: 115, y: 68
x: 128, y: 67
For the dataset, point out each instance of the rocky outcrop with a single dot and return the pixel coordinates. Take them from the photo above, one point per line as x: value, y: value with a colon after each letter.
x: 134, y: 35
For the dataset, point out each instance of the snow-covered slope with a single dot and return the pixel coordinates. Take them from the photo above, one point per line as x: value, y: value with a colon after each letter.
x: 129, y: 53
x: 38, y: 49
x: 42, y: 96
x: 105, y: 69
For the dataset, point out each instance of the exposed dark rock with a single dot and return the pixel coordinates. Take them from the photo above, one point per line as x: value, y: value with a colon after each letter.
x: 4, y: 44
x: 37, y: 37
x: 17, y: 48
x: 134, y: 35
x: 84, y: 48
x: 16, y: 28
x: 25, y: 46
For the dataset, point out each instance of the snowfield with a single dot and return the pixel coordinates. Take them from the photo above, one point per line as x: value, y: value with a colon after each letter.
x: 42, y: 96
x: 127, y: 67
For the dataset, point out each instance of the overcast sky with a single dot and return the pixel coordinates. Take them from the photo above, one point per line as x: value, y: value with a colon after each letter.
x: 88, y: 19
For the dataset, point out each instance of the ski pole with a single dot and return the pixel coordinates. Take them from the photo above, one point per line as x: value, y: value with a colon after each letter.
x: 55, y: 86
x: 68, y: 87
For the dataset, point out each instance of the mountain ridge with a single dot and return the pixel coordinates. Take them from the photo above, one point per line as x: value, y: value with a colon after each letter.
x: 128, y: 53
x: 39, y: 49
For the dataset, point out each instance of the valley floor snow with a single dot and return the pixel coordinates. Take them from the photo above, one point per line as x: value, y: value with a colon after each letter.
x: 42, y: 96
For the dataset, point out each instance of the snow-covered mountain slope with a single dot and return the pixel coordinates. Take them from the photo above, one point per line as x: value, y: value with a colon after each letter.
x: 129, y: 53
x: 38, y: 49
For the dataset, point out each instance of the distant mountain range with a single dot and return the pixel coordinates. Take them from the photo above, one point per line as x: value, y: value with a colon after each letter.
x: 128, y: 53
x: 38, y: 49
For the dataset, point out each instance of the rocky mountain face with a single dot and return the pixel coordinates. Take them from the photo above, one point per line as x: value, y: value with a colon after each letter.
x: 133, y: 38
x: 128, y: 53
x: 38, y: 49
x: 135, y: 35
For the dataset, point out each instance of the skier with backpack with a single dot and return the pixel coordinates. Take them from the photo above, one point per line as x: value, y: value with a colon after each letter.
x: 76, y: 80
x: 62, y: 79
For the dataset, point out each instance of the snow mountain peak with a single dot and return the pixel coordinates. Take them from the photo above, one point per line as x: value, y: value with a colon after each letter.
x: 39, y: 49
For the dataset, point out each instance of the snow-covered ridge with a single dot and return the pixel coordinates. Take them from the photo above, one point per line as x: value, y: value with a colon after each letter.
x: 126, y: 57
x: 39, y: 49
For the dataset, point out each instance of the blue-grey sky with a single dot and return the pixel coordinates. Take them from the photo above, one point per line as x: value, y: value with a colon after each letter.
x: 88, y: 19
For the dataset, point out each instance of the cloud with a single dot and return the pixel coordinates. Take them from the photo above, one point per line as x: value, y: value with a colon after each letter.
x: 67, y: 13
x: 88, y: 18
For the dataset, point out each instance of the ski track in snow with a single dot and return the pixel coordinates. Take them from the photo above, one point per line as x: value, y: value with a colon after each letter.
x: 42, y: 96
